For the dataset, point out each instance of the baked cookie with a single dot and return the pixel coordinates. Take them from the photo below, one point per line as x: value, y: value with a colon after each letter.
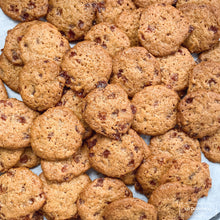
x: 174, y: 201
x: 146, y: 3
x: 109, y: 37
x: 205, y: 75
x: 98, y: 194
x: 41, y: 84
x: 156, y: 110
x: 86, y: 66
x: 61, y: 197
x: 72, y: 18
x: 16, y: 121
x: 56, y: 134
x: 24, y: 10
x: 134, y: 68
x: 43, y: 41
x: 108, y: 111
x: 204, y: 26
x: 3, y: 92
x: 21, y: 187
x: 66, y: 170
x: 175, y: 69
x: 199, y: 113
x: 162, y: 29
x: 130, y: 208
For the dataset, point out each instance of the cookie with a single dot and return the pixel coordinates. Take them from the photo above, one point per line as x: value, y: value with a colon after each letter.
x: 16, y: 121
x: 43, y: 41
x: 109, y: 37
x: 9, y: 73
x: 199, y: 113
x: 86, y: 66
x: 174, y: 201
x: 130, y: 208
x: 206, y: 76
x: 146, y: 3
x: 175, y: 69
x: 56, y: 134
x: 24, y: 10
x: 41, y: 84
x: 156, y: 110
x: 66, y: 170
x: 108, y: 111
x: 3, y: 92
x: 134, y: 69
x: 98, y: 194
x: 21, y: 187
x: 72, y: 18
x: 162, y: 29
x: 61, y: 197
x: 204, y: 27
x: 210, y: 146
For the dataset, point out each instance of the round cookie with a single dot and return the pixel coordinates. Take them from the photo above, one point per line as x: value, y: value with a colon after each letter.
x: 98, y: 194
x: 24, y: 10
x: 108, y: 111
x: 21, y: 187
x: 56, y: 134
x: 61, y: 197
x: 16, y: 120
x: 199, y: 113
x: 204, y: 27
x: 3, y: 92
x: 72, y: 18
x: 175, y: 69
x: 43, y: 41
x: 116, y: 158
x: 134, y: 69
x: 86, y: 66
x: 41, y: 84
x: 205, y: 75
x: 162, y: 29
x: 66, y: 170
x: 109, y: 37
x: 130, y: 208
x: 174, y: 201
x: 146, y: 3
x: 156, y: 110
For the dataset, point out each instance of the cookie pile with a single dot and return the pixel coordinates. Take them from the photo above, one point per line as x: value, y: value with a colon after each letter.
x: 85, y: 107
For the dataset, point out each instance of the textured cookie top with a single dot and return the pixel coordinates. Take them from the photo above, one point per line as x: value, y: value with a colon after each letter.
x: 146, y: 3
x: 215, y: 3
x: 3, y: 92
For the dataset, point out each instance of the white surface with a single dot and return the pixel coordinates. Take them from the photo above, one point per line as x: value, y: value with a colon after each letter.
x: 206, y: 208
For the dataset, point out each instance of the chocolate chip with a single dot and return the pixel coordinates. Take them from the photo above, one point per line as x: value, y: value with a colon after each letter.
x: 191, y: 29
x: 115, y: 112
x: 77, y: 130
x: 212, y: 81
x: 106, y: 153
x: 31, y: 5
x: 26, y: 136
x: 174, y: 77
x: 24, y: 15
x: 119, y: 74
x: 131, y: 163
x: 91, y: 154
x: 91, y: 143
x: 136, y: 148
x: 150, y: 28
x: 189, y: 100
x: 76, y: 159
x: 112, y: 28
x: 207, y: 148
x: 111, y: 96
x: 22, y: 120
x: 117, y: 136
x: 133, y: 109
x: 24, y: 159
x: 101, y: 84
x: 72, y: 54
x: 186, y: 146
x: 98, y: 40
x: 19, y: 38
x: 64, y: 168
x: 197, y: 189
x: 80, y: 24
x: 102, y: 116
x: 81, y: 201
x: 153, y: 182
x: 213, y: 28
x: 99, y: 182
x: 59, y: 11
x: 120, y: 2
x: 71, y: 34
x: 100, y: 6
x: 15, y: 55
x: 50, y: 135
x: 104, y: 45
x: 3, y: 117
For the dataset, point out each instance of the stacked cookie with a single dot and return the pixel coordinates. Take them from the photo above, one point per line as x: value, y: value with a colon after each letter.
x: 86, y: 106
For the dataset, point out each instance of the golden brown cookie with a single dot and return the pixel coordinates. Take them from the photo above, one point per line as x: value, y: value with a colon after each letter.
x: 211, y: 55
x: 146, y: 3
x: 3, y: 92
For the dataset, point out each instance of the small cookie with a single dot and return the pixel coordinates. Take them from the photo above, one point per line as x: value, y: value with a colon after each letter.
x: 86, y: 66
x: 41, y: 84
x: 156, y: 110
x: 134, y: 68
x: 72, y: 18
x: 174, y: 201
x: 3, y: 92
x: 24, y: 10
x: 199, y: 113
x: 108, y: 111
x: 43, y: 41
x: 130, y: 208
x: 56, y: 134
x: 22, y: 187
x: 66, y: 170
x: 16, y: 120
x: 61, y: 197
x: 175, y: 69
x: 146, y: 3
x: 98, y: 194
x: 205, y: 75
x: 162, y: 29
x: 109, y: 37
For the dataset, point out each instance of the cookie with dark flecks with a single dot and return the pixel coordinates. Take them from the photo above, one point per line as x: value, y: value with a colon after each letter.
x: 134, y: 69
x: 109, y: 37
x: 56, y: 134
x: 146, y: 3
x: 16, y: 120
x: 108, y: 111
x: 3, y: 92
x: 162, y: 29
x: 98, y: 194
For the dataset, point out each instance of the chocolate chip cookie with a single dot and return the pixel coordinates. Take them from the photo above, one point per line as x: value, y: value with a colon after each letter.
x: 3, y: 92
